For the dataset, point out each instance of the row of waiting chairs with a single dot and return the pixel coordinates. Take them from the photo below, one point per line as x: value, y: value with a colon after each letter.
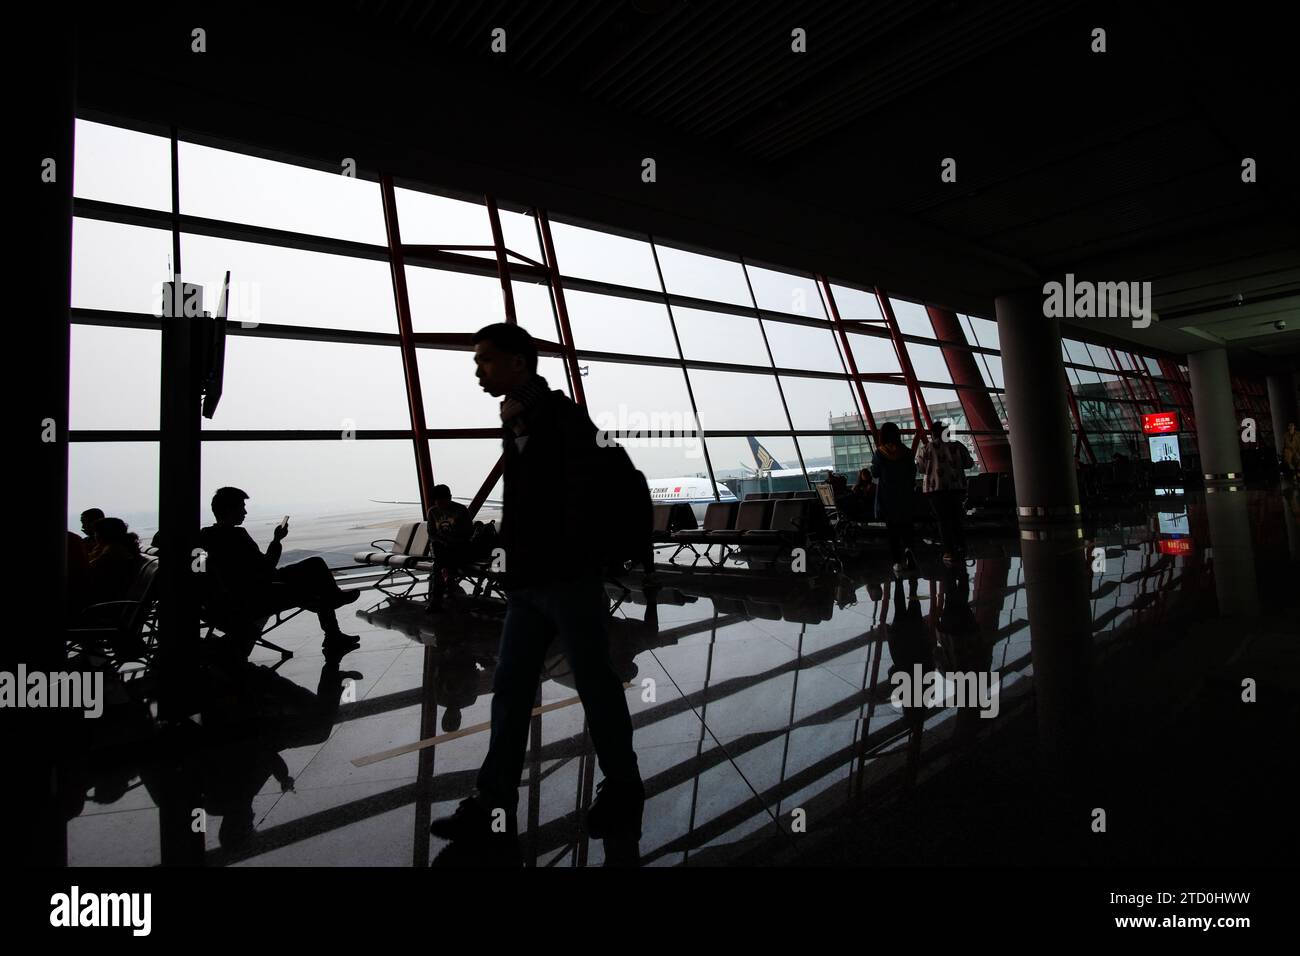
x: 124, y: 633
x: 1126, y: 482
x: 408, y: 554
x: 775, y: 522
x: 991, y: 492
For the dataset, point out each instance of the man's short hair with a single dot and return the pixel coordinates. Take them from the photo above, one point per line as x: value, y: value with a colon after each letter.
x: 94, y: 514
x: 226, y: 497
x: 440, y: 492
x: 511, y: 339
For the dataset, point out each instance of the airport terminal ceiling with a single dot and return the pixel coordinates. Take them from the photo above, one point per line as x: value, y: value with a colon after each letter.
x: 1086, y: 169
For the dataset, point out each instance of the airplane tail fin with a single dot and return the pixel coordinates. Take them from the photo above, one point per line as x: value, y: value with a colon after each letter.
x: 762, y: 457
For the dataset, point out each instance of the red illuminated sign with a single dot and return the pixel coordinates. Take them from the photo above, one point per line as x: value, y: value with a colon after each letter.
x: 1160, y: 423
x: 1174, y: 545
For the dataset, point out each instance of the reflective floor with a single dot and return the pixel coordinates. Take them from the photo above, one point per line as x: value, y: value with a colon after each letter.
x: 762, y: 709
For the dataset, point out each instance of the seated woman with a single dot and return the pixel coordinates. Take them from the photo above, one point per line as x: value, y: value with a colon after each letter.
x: 865, y: 492
x: 858, y: 503
x: 111, y: 573
x: 116, y: 562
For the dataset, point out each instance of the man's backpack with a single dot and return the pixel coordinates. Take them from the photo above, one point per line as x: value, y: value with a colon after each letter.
x: 626, y: 519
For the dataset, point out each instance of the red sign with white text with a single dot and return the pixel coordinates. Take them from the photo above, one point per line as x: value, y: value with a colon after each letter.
x: 1160, y: 423
x: 1174, y: 545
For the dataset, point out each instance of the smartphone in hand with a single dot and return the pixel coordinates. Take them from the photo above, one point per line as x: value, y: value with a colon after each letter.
x: 285, y: 522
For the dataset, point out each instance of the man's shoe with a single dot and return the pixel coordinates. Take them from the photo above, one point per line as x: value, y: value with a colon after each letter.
x: 347, y: 597
x: 337, y: 641
x: 472, y: 822
x: 616, y: 811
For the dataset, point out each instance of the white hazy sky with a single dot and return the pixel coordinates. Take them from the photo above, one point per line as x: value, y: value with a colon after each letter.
x: 276, y: 383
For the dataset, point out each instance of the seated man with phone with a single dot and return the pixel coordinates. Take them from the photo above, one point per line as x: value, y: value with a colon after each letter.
x: 247, y: 584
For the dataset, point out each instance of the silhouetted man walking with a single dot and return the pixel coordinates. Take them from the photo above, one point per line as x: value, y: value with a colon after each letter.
x: 553, y: 589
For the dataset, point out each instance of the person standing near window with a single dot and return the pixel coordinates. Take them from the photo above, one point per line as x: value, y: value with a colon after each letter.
x: 943, y: 466
x: 895, y: 472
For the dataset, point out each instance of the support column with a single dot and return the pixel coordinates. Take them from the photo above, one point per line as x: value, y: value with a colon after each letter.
x: 1038, y: 418
x: 1282, y: 406
x: 39, y: 359
x: 1216, y: 420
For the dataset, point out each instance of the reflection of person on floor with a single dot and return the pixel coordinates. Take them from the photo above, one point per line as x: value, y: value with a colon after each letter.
x: 553, y: 590
x: 449, y: 533
x: 244, y: 584
x: 287, y: 716
x: 962, y: 647
x: 456, y: 686
x: 909, y: 645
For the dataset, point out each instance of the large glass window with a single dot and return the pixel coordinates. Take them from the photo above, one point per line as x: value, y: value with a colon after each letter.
x: 623, y: 397
x: 889, y: 403
x: 703, y: 277
x: 115, y: 376
x: 290, y: 384
x: 804, y: 346
x: 874, y: 354
x: 233, y: 187
x: 122, y: 166
x: 445, y: 301
x: 721, y: 337
x: 928, y: 363
x: 735, y: 400
x: 588, y: 254
x: 119, y: 478
x: 785, y: 292
x: 319, y: 380
x: 912, y: 318
x: 119, y: 268
x: 606, y: 323
x: 310, y: 480
x: 432, y: 220
x: 856, y: 305
x: 280, y: 286
x: 814, y: 402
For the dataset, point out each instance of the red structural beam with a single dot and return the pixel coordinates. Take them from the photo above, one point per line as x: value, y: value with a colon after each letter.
x: 919, y: 408
x: 1081, y: 440
x: 994, y: 450
x: 487, y: 485
x: 561, y: 310
x: 838, y: 325
x: 439, y: 254
x: 410, y: 366
x: 503, y: 263
x: 1182, y: 397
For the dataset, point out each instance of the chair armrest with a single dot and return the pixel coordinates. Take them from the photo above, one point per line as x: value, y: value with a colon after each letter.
x: 97, y: 615
x: 90, y: 630
x: 378, y: 541
x: 91, y: 607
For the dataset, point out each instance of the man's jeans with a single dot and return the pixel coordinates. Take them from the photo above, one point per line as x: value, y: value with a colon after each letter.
x: 575, y: 612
